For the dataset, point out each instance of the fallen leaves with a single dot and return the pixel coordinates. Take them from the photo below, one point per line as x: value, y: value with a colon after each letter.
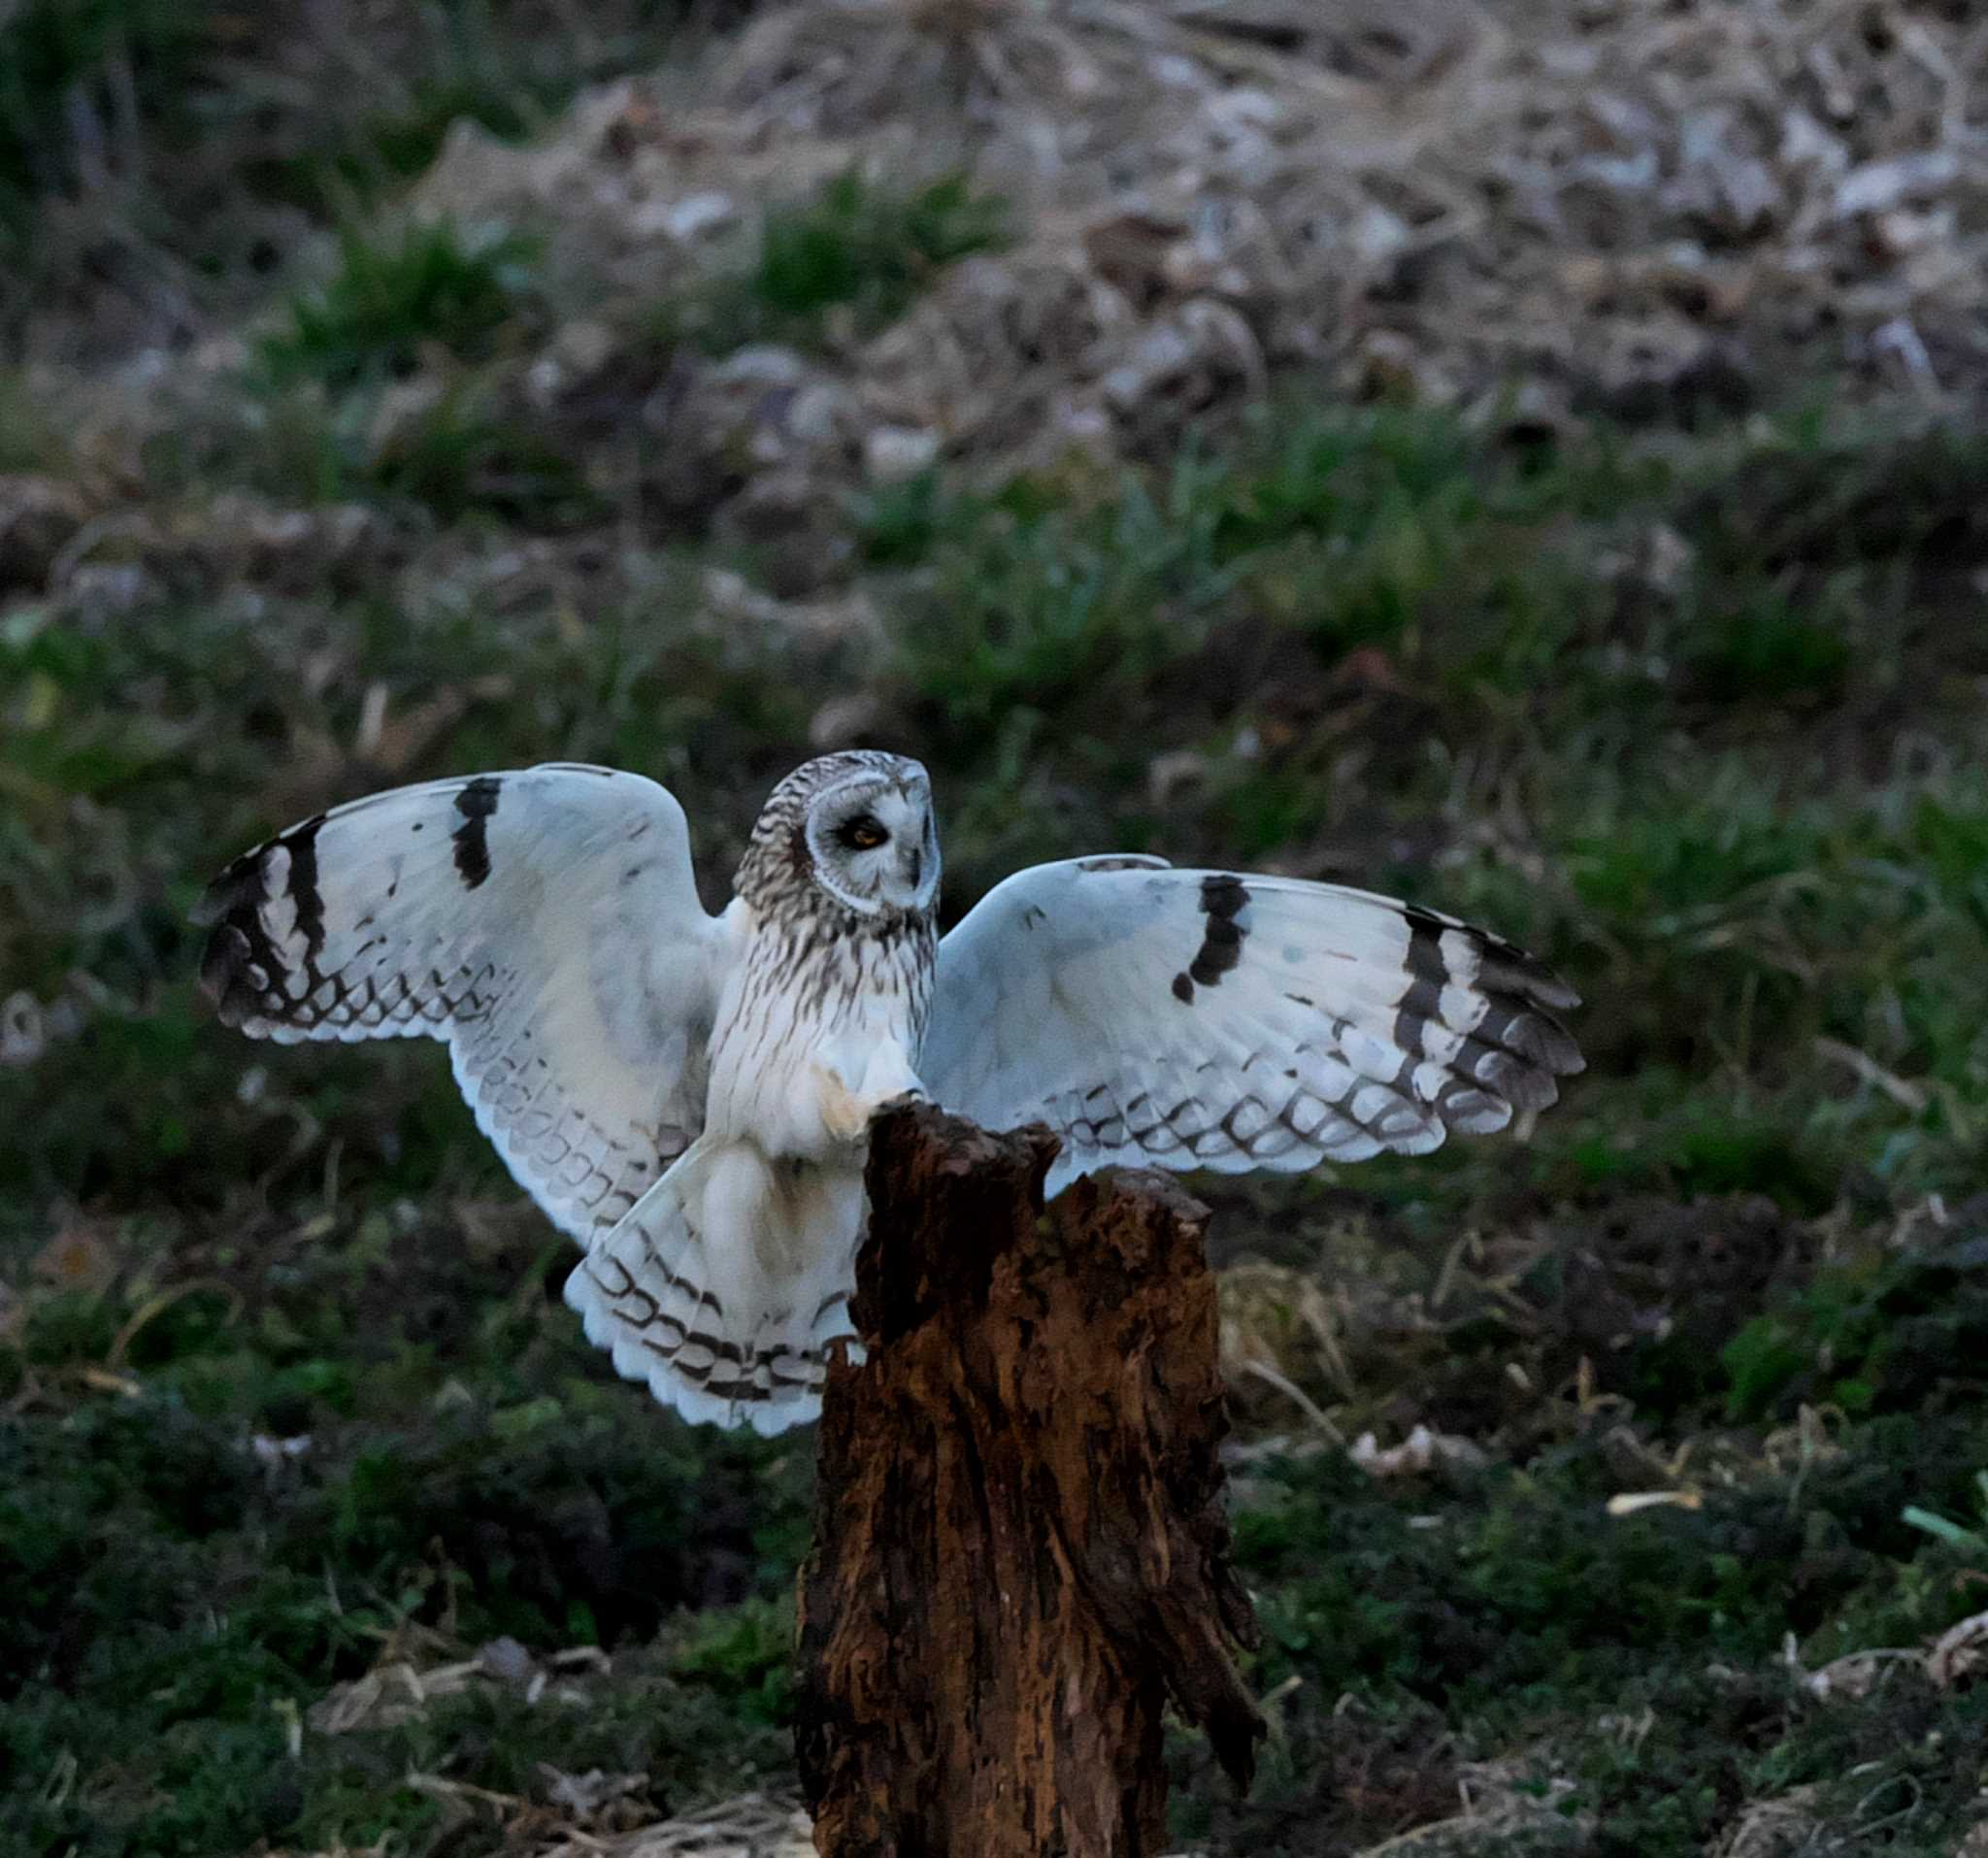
x: 396, y: 1690
x: 1419, y: 1453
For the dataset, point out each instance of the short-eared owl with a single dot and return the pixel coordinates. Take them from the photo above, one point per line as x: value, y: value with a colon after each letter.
x: 688, y: 1096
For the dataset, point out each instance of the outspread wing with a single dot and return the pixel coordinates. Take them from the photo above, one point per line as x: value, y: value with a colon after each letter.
x: 1201, y: 1019
x: 544, y: 923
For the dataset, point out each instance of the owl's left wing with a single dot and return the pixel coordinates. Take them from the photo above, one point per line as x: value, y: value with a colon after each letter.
x: 1154, y: 1016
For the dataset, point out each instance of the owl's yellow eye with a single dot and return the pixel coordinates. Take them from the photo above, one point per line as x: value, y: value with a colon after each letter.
x: 862, y: 834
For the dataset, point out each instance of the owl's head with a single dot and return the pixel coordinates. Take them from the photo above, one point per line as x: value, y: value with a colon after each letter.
x: 859, y: 826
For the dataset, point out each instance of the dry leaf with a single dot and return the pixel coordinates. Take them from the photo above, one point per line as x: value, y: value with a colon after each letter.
x: 1960, y: 1654
x: 1421, y: 1451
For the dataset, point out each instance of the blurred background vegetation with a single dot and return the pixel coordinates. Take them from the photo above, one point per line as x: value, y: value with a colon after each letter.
x: 1107, y: 411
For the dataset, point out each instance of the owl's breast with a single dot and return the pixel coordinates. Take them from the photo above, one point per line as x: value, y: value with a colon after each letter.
x: 806, y: 1030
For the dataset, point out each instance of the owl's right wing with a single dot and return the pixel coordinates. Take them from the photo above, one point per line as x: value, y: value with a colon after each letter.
x: 545, y: 924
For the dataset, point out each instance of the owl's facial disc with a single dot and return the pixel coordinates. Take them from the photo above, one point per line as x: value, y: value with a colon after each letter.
x: 875, y: 844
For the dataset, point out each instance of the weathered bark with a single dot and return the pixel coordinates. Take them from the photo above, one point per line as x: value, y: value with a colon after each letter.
x: 1021, y: 1550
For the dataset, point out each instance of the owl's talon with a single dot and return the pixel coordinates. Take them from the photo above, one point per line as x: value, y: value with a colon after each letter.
x: 903, y: 1100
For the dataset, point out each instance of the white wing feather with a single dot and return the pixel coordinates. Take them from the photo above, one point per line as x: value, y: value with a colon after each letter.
x: 1201, y: 1019
x: 544, y: 923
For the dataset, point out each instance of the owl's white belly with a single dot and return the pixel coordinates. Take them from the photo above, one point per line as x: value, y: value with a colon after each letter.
x: 810, y: 1042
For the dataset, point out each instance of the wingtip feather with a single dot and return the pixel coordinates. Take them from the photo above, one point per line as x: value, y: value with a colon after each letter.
x: 226, y: 974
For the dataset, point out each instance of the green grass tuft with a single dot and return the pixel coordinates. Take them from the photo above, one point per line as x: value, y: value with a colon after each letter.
x: 871, y: 247
x: 436, y: 285
x: 858, y: 251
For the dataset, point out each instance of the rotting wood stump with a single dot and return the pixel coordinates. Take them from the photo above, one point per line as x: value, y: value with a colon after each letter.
x: 1021, y: 1550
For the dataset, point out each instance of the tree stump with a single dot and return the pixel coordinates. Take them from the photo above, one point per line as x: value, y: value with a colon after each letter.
x: 1021, y: 1550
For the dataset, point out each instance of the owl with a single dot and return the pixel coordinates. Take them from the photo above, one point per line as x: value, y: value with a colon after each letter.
x: 690, y: 1096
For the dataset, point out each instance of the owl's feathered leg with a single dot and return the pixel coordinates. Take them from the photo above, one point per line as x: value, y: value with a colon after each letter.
x: 723, y: 1285
x: 852, y: 1086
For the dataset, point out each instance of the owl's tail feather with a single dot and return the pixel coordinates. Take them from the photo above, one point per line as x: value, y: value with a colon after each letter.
x: 723, y: 1285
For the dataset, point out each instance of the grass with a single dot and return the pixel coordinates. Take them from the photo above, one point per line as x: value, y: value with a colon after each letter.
x: 389, y: 383
x: 433, y: 286
x: 1972, y: 1542
x: 170, y: 1562
x: 393, y: 378
x: 869, y: 247
x: 286, y: 1392
x: 174, y: 152
x: 850, y: 260
x: 506, y: 66
x: 1764, y: 928
x: 1640, y: 1659
x: 73, y: 67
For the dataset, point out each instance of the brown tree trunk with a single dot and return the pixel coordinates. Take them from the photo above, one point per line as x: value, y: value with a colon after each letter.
x: 1020, y: 1552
